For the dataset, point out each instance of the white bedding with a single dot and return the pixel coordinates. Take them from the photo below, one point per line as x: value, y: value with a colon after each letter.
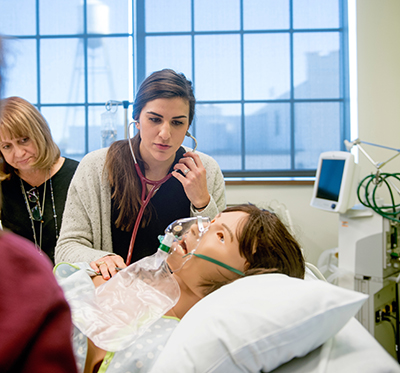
x: 257, y: 323
x: 351, y: 350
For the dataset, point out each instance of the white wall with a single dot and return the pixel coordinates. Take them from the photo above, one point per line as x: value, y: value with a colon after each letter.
x: 378, y: 65
x: 378, y: 75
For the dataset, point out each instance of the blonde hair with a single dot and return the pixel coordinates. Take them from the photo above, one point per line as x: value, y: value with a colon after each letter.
x: 19, y: 118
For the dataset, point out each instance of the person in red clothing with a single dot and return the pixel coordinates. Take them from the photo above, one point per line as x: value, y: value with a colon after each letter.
x: 35, y: 319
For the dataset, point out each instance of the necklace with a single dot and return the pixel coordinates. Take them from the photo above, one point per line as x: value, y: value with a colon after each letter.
x: 41, y: 211
x: 54, y: 207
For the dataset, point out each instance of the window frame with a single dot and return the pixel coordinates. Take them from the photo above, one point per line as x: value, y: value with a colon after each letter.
x: 343, y: 100
x: 139, y: 35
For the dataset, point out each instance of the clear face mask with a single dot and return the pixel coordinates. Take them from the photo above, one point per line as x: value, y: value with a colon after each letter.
x: 185, y: 241
x: 187, y: 234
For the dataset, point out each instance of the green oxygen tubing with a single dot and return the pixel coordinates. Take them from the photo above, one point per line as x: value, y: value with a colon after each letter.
x: 390, y: 212
x: 217, y: 262
x: 371, y: 183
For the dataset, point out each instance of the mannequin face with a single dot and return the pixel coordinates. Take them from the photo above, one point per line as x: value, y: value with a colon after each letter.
x: 220, y: 243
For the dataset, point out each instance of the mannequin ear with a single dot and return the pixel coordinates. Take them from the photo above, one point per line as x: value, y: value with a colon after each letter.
x: 246, y: 266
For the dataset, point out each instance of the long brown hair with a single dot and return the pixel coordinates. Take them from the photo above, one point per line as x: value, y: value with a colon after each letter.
x: 266, y: 244
x: 119, y: 163
x: 19, y: 118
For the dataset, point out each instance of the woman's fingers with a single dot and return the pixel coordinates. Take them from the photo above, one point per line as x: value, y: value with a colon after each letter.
x: 193, y: 179
x: 107, y: 265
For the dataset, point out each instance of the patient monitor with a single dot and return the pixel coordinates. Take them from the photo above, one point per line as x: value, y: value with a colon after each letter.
x: 335, y: 182
x: 369, y: 242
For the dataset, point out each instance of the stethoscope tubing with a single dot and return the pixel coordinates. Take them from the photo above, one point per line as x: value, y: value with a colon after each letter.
x: 144, y: 200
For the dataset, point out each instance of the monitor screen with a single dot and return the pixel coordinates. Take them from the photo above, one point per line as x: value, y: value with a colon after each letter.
x: 335, y: 187
x: 330, y: 179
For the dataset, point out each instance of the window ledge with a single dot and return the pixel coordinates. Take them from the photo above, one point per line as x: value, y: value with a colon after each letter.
x: 269, y: 180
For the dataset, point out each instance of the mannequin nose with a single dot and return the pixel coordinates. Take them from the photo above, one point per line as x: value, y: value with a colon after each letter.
x: 194, y: 229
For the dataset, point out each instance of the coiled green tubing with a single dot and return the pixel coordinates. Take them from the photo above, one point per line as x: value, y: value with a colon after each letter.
x: 390, y: 212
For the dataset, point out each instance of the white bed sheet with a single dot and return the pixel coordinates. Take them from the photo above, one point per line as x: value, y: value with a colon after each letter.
x: 352, y: 350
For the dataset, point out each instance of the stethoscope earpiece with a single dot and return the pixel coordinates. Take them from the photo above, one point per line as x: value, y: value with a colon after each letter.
x: 188, y: 134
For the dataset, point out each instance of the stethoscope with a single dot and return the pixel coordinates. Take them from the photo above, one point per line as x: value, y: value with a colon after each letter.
x: 145, y: 181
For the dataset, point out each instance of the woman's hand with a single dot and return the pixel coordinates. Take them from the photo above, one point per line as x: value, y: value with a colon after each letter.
x: 107, y: 265
x: 194, y: 182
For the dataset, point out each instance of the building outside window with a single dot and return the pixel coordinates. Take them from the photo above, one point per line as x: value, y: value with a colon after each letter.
x: 270, y: 77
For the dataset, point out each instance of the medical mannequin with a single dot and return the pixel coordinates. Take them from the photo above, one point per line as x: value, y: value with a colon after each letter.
x: 250, y: 240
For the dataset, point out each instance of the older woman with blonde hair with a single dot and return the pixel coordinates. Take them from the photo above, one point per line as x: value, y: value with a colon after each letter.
x: 34, y: 177
x: 36, y: 333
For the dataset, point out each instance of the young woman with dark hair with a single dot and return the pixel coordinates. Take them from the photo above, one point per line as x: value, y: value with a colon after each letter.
x: 105, y: 197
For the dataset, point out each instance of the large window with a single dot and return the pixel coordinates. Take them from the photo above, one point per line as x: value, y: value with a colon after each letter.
x: 270, y: 76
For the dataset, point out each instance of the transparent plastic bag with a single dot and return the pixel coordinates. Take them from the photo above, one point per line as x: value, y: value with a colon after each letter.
x: 116, y: 313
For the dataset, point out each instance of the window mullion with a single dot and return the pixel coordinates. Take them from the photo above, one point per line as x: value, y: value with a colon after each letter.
x: 292, y: 106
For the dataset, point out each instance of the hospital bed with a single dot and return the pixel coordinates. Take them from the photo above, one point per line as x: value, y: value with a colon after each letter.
x: 351, y: 350
x: 274, y: 323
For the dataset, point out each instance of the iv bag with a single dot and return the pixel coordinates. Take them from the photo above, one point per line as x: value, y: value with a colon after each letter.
x: 108, y: 127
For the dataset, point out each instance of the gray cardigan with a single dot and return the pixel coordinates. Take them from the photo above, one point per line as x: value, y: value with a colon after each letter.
x: 86, y: 225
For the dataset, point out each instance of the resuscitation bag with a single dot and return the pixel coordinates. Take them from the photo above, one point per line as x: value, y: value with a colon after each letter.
x: 116, y: 313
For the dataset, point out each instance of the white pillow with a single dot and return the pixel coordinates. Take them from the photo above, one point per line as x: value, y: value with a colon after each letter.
x: 256, y: 324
